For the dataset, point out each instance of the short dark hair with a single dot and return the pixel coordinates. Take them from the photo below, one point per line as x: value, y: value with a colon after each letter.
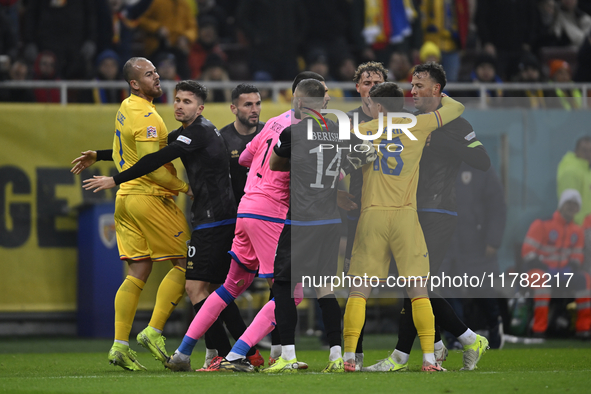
x: 586, y: 138
x: 311, y: 92
x: 128, y: 71
x: 435, y: 71
x: 370, y: 67
x: 388, y: 94
x: 197, y: 88
x: 243, y: 88
x: 306, y: 75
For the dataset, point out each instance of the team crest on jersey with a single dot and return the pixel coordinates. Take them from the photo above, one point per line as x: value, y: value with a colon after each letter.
x: 466, y: 177
x: 573, y: 239
x: 470, y: 136
x: 234, y: 154
x: 184, y: 139
x: 553, y: 236
x: 106, y: 229
x: 151, y: 132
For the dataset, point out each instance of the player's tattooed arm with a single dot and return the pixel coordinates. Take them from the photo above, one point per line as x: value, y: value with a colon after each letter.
x: 90, y: 157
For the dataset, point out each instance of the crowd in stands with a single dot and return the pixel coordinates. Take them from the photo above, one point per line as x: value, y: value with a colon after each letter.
x: 268, y: 40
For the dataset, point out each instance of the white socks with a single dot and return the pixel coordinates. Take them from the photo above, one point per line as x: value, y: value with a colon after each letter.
x: 429, y: 358
x: 288, y: 352
x: 349, y: 356
x: 335, y: 353
x: 438, y: 345
x: 181, y: 356
x: 275, y: 351
x: 467, y: 338
x: 122, y: 342
x: 234, y: 356
x: 400, y: 357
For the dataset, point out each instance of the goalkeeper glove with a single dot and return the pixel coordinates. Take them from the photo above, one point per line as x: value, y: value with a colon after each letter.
x: 359, y: 157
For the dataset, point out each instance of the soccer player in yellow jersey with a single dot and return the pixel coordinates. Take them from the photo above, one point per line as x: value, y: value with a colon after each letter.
x: 389, y: 224
x: 149, y: 225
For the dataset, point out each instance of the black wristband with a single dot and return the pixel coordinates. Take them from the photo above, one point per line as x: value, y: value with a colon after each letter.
x: 104, y: 155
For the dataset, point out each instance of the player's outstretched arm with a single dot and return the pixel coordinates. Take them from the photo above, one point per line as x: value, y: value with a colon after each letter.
x: 90, y: 157
x: 146, y: 165
x: 159, y: 174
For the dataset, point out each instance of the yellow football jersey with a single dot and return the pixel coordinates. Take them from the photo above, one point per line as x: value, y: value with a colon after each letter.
x: 138, y: 121
x: 390, y: 182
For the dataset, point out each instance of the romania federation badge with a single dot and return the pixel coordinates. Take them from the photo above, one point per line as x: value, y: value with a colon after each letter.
x: 106, y: 230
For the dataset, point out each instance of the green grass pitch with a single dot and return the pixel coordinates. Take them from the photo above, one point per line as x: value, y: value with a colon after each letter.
x: 80, y: 366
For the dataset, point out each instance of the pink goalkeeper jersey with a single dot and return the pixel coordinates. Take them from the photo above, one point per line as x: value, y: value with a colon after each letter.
x: 266, y: 192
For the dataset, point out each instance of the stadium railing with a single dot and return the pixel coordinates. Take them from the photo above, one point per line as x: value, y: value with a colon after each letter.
x: 277, y: 87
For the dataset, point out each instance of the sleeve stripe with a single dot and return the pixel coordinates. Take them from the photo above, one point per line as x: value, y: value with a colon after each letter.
x: 439, y: 120
x: 475, y: 144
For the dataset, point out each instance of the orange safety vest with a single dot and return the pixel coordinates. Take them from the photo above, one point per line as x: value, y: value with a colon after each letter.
x: 555, y: 241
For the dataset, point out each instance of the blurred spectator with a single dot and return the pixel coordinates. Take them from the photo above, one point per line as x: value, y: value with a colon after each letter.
x: 8, y: 36
x: 19, y: 71
x: 45, y: 70
x: 393, y: 25
x: 11, y: 9
x: 555, y: 247
x: 440, y: 26
x: 208, y: 10
x: 318, y: 63
x: 574, y: 172
x: 213, y: 70
x: 506, y: 28
x: 116, y: 22
x: 572, y: 25
x: 108, y: 66
x: 170, y: 27
x: 485, y: 71
x: 545, y: 21
x: 346, y: 73
x: 587, y: 250
x: 567, y: 99
x: 66, y: 28
x: 5, y: 65
x: 583, y: 72
x: 482, y: 215
x: 274, y: 30
x: 529, y: 71
x: 166, y: 66
x: 399, y: 67
x: 207, y: 43
x: 430, y: 53
x: 328, y: 29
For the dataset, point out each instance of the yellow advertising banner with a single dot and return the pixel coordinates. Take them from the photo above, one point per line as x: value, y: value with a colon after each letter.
x: 39, y: 197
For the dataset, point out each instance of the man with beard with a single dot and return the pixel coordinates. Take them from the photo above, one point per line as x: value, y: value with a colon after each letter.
x: 149, y: 225
x: 246, y: 105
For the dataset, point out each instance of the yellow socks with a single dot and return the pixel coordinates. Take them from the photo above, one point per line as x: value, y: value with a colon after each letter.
x: 126, y: 301
x: 170, y: 291
x: 422, y: 316
x: 353, y: 320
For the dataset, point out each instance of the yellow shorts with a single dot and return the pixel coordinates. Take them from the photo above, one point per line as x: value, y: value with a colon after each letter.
x: 150, y: 227
x: 384, y: 233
